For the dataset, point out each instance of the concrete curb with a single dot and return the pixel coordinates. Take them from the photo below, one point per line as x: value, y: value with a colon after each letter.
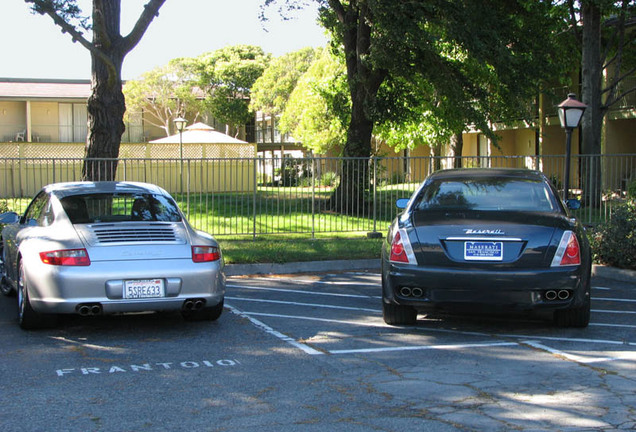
x: 301, y: 267
x: 374, y: 264
x: 617, y: 274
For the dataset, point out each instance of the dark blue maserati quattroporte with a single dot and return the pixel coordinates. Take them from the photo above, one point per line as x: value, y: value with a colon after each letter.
x: 492, y: 239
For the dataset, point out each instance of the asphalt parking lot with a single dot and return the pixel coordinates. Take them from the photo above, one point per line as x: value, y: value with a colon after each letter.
x: 311, y: 352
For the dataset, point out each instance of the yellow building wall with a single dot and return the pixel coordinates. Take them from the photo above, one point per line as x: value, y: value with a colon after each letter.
x: 44, y: 121
x: 620, y: 136
x: 12, y: 119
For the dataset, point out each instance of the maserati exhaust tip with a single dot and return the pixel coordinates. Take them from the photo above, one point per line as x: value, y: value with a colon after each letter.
x: 564, y: 294
x: 406, y: 292
x: 551, y: 295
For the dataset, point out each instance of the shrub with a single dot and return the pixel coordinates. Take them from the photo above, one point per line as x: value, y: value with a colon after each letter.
x: 614, y: 241
x: 3, y: 207
x: 631, y: 190
x: 329, y: 178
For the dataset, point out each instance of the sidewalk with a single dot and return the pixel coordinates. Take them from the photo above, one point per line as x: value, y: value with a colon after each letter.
x: 628, y: 276
x: 302, y: 267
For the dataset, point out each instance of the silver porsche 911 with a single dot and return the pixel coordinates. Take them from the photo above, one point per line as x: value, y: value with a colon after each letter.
x: 94, y: 248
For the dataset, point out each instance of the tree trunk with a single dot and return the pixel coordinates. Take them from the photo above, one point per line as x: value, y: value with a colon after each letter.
x: 456, y: 149
x: 349, y: 196
x: 591, y: 128
x: 364, y: 82
x: 106, y: 107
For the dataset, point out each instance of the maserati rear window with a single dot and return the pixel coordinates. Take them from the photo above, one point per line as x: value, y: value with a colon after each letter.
x: 487, y: 194
x: 121, y: 207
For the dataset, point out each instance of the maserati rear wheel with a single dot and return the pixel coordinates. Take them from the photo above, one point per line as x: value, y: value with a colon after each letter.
x: 398, y: 315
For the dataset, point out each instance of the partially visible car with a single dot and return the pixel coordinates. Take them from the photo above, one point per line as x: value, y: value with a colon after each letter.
x: 93, y: 248
x: 486, y: 239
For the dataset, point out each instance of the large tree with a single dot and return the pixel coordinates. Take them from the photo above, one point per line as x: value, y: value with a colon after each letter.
x: 108, y: 48
x: 606, y: 33
x: 447, y: 45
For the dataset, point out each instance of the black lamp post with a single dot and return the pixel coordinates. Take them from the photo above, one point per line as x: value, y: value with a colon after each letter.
x: 180, y: 124
x: 570, y: 114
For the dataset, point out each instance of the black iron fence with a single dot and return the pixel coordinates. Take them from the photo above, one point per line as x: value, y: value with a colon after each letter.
x: 265, y: 196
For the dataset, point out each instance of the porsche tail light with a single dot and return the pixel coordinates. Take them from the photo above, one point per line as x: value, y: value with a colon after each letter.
x: 569, y: 252
x: 205, y: 254
x: 66, y: 257
x: 401, y: 250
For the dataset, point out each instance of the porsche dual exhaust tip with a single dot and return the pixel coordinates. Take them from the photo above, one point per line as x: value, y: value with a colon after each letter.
x: 89, y: 309
x: 193, y: 304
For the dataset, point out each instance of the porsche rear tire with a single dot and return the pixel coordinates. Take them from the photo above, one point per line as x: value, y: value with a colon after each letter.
x: 206, y: 314
x: 29, y: 319
x: 5, y: 288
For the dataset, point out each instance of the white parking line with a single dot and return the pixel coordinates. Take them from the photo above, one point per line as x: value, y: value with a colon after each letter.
x: 572, y: 357
x: 614, y: 299
x: 601, y: 288
x: 267, y: 329
x: 371, y: 322
x: 423, y: 347
x: 311, y: 282
x: 613, y: 325
x: 378, y: 322
x: 303, y: 304
x: 303, y: 292
x: 613, y: 311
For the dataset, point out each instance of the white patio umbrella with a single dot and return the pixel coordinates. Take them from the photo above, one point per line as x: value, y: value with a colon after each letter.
x: 199, y: 133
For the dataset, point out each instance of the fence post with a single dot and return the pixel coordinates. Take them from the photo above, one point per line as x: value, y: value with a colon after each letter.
x: 375, y: 233
x: 375, y: 193
x: 313, y: 196
x: 255, y: 175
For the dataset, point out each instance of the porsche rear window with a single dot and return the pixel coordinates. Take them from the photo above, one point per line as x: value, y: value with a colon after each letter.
x: 487, y: 194
x: 121, y: 207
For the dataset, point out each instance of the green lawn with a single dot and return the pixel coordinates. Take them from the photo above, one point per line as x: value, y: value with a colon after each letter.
x: 293, y: 249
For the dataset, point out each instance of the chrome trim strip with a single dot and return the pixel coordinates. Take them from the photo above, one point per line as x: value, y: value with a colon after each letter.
x: 483, y: 239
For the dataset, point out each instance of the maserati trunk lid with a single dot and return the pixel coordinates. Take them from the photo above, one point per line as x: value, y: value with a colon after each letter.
x: 484, y: 238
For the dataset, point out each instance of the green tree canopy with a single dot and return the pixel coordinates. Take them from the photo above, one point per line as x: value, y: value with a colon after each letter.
x: 318, y: 107
x: 472, y: 60
x: 165, y: 93
x: 226, y: 76
x: 272, y: 90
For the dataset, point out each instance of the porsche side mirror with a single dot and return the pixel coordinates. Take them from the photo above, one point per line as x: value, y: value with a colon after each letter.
x: 9, y: 218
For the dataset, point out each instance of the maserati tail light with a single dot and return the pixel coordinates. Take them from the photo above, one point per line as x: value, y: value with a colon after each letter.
x: 401, y: 250
x: 569, y: 252
x: 66, y: 257
x: 205, y: 254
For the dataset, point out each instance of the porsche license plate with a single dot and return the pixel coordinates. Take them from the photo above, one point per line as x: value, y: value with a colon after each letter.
x: 483, y: 251
x: 146, y: 288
